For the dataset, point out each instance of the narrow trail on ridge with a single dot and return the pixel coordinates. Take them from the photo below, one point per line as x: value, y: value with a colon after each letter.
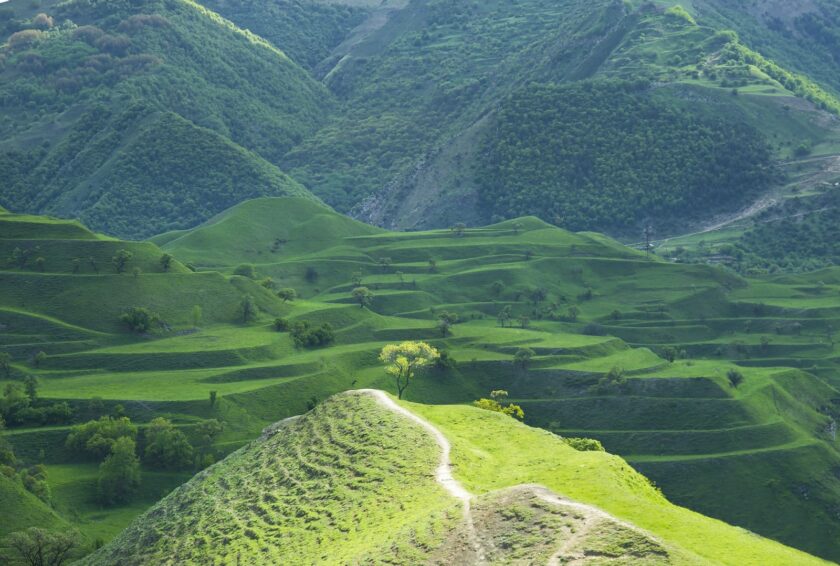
x: 443, y: 473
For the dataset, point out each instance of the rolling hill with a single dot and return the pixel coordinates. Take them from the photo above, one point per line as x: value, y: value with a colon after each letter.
x: 603, y: 323
x: 378, y: 501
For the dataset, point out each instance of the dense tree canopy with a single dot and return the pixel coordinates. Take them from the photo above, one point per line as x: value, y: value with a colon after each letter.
x: 607, y: 155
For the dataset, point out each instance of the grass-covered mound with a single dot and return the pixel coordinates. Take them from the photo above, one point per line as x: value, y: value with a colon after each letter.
x: 348, y: 483
x: 352, y: 482
x: 83, y: 86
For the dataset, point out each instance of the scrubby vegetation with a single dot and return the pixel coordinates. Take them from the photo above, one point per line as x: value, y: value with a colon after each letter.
x: 606, y: 155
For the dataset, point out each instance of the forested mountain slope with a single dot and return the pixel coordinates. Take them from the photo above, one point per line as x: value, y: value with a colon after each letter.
x: 107, y: 104
x: 399, y: 112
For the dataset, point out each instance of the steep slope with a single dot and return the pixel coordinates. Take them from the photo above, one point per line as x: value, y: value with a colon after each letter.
x: 28, y: 510
x: 425, y: 89
x: 89, y: 92
x: 307, y: 31
x: 369, y: 469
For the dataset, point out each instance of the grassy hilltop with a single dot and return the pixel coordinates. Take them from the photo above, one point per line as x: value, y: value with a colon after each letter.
x: 601, y: 322
x: 377, y: 500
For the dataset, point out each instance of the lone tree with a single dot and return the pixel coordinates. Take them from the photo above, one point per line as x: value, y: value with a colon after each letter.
x: 523, y: 356
x: 121, y: 259
x: 140, y: 319
x: 288, y: 294
x: 39, y: 358
x: 30, y: 384
x: 247, y: 308
x: 119, y: 474
x: 403, y: 360
x: 166, y: 262
x: 735, y: 377
x: 445, y: 321
x: 6, y: 364
x: 40, y: 547
x: 363, y: 296
x: 458, y: 229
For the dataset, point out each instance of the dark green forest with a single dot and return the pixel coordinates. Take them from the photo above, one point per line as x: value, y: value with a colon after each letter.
x: 609, y: 155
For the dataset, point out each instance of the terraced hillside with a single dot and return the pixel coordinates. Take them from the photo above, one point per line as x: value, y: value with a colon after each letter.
x: 601, y: 323
x: 339, y: 485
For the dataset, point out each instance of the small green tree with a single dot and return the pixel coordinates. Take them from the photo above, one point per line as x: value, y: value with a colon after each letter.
x: 523, y: 356
x: 39, y: 358
x: 459, y: 229
x: 385, y: 263
x: 166, y: 262
x: 496, y: 287
x: 572, y: 313
x: 140, y: 319
x: 402, y: 361
x: 119, y: 474
x: 504, y: 317
x: 288, y: 294
x: 39, y: 547
x: 245, y: 270
x: 669, y: 353
x: 6, y: 364
x: 213, y: 396
x: 445, y: 321
x: 121, y: 259
x: 196, y: 315
x: 735, y: 377
x: 96, y: 438
x: 363, y: 296
x: 524, y: 321
x: 247, y: 309
x: 30, y: 385
x: 166, y: 446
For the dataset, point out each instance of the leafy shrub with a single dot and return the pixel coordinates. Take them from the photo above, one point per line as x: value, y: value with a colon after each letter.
x: 305, y: 335
x: 494, y: 404
x: 166, y: 447
x: 140, y: 319
x: 585, y: 444
x: 245, y: 270
x: 95, y: 438
x: 611, y: 383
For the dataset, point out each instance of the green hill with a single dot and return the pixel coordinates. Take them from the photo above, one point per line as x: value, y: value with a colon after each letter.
x: 108, y: 106
x: 340, y: 485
